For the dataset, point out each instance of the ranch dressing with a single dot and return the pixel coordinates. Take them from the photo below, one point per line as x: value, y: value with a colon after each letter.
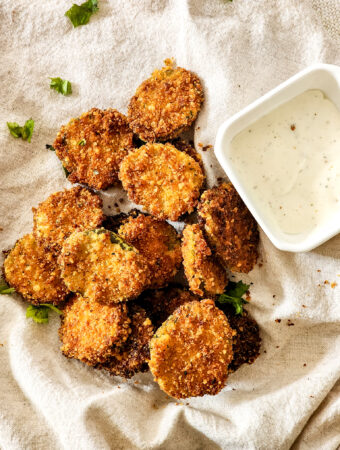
x: 290, y: 162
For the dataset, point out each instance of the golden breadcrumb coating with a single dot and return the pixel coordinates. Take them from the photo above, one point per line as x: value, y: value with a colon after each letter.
x: 165, y: 104
x: 133, y: 357
x: 230, y: 228
x: 204, y: 273
x: 92, y: 147
x: 64, y: 212
x: 159, y: 242
x: 164, y: 180
x: 101, y: 266
x: 191, y: 351
x: 161, y: 303
x: 247, y: 340
x: 33, y: 272
x: 91, y: 331
x: 189, y: 149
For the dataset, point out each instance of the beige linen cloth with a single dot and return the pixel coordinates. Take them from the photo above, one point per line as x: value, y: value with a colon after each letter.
x: 240, y: 50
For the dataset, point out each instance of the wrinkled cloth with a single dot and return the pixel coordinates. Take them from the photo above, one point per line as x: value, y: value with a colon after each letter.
x: 240, y: 50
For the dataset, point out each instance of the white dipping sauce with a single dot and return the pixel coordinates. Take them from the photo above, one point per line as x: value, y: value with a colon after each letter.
x: 290, y: 162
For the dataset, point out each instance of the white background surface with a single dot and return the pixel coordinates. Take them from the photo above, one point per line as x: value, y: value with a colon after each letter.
x: 240, y: 50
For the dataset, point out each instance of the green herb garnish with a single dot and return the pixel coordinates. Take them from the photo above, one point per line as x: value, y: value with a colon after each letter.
x: 50, y: 147
x: 80, y: 14
x: 233, y: 295
x: 66, y: 172
x: 62, y: 86
x: 5, y: 289
x: 82, y: 142
x: 40, y: 313
x: 24, y: 132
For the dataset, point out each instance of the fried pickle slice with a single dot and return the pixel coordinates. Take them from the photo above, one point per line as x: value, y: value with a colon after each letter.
x: 247, y: 340
x: 165, y: 104
x: 191, y: 351
x: 33, y: 272
x: 133, y: 357
x: 64, y: 212
x: 91, y: 331
x: 92, y: 147
x: 161, y: 303
x: 159, y: 242
x: 205, y: 275
x: 230, y: 228
x: 101, y: 266
x: 164, y: 180
x: 189, y: 149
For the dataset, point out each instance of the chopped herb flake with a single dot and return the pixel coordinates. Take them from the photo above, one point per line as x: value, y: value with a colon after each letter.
x: 5, y: 289
x: 233, y: 295
x: 40, y: 313
x: 82, y: 142
x: 50, y: 147
x: 62, y: 86
x: 80, y: 14
x: 24, y: 132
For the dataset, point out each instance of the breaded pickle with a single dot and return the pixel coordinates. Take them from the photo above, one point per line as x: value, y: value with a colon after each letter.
x: 165, y: 104
x: 91, y: 331
x: 92, y: 147
x: 204, y: 273
x: 189, y: 149
x: 247, y: 340
x: 159, y: 242
x: 33, y: 272
x: 230, y: 228
x: 101, y: 266
x: 191, y: 351
x: 161, y: 303
x: 133, y: 357
x: 164, y: 180
x: 64, y: 212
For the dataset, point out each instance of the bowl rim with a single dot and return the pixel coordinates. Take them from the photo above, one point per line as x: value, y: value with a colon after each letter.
x: 306, y: 244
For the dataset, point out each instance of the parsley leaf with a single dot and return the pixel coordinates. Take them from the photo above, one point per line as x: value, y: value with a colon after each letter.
x: 24, y: 132
x: 62, y: 86
x: 80, y: 14
x: 5, y: 289
x: 233, y: 295
x: 40, y: 313
x: 82, y: 142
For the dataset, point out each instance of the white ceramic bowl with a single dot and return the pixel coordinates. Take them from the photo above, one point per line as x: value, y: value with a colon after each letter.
x: 325, y: 77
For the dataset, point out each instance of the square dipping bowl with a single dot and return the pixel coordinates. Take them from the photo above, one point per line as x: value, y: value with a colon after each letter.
x: 324, y: 77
